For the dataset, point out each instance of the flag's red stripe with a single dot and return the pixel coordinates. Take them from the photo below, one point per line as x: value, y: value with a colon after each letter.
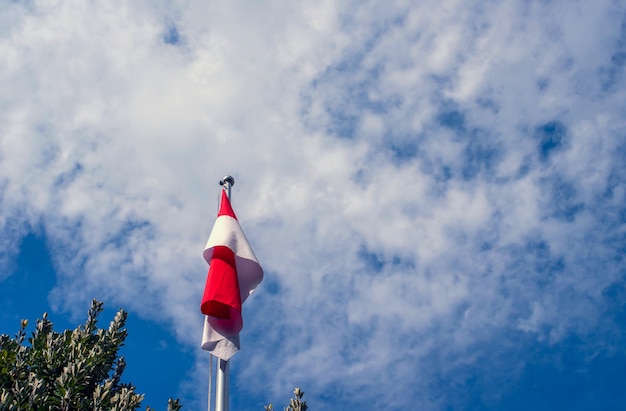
x: 225, y: 207
x: 221, y: 293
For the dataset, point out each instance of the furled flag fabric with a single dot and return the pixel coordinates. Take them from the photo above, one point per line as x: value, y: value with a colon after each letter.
x: 234, y: 273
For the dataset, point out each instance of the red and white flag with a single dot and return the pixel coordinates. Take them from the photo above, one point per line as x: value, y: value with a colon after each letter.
x: 234, y: 273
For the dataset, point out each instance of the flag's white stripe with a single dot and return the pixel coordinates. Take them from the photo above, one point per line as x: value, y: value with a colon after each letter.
x: 227, y: 232
x: 219, y: 345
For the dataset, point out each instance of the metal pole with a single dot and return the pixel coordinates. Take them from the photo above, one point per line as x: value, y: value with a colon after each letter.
x: 210, y: 381
x: 221, y: 386
x: 221, y: 381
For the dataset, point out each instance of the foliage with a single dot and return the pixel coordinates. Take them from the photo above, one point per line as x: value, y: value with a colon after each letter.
x: 295, y: 404
x: 71, y: 370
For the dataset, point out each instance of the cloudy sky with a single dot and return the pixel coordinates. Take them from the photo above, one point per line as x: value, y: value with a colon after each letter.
x: 436, y: 191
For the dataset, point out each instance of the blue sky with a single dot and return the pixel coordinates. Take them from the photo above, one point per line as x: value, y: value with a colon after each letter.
x: 436, y: 192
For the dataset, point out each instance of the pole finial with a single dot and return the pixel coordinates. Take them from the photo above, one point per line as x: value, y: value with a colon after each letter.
x: 227, y: 180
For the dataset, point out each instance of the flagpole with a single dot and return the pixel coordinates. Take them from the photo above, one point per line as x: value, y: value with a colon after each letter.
x: 221, y: 380
x: 221, y: 385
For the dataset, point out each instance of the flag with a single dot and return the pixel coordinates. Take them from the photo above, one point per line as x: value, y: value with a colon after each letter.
x: 234, y: 273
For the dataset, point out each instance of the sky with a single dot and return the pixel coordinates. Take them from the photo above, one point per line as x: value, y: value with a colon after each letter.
x: 436, y: 191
